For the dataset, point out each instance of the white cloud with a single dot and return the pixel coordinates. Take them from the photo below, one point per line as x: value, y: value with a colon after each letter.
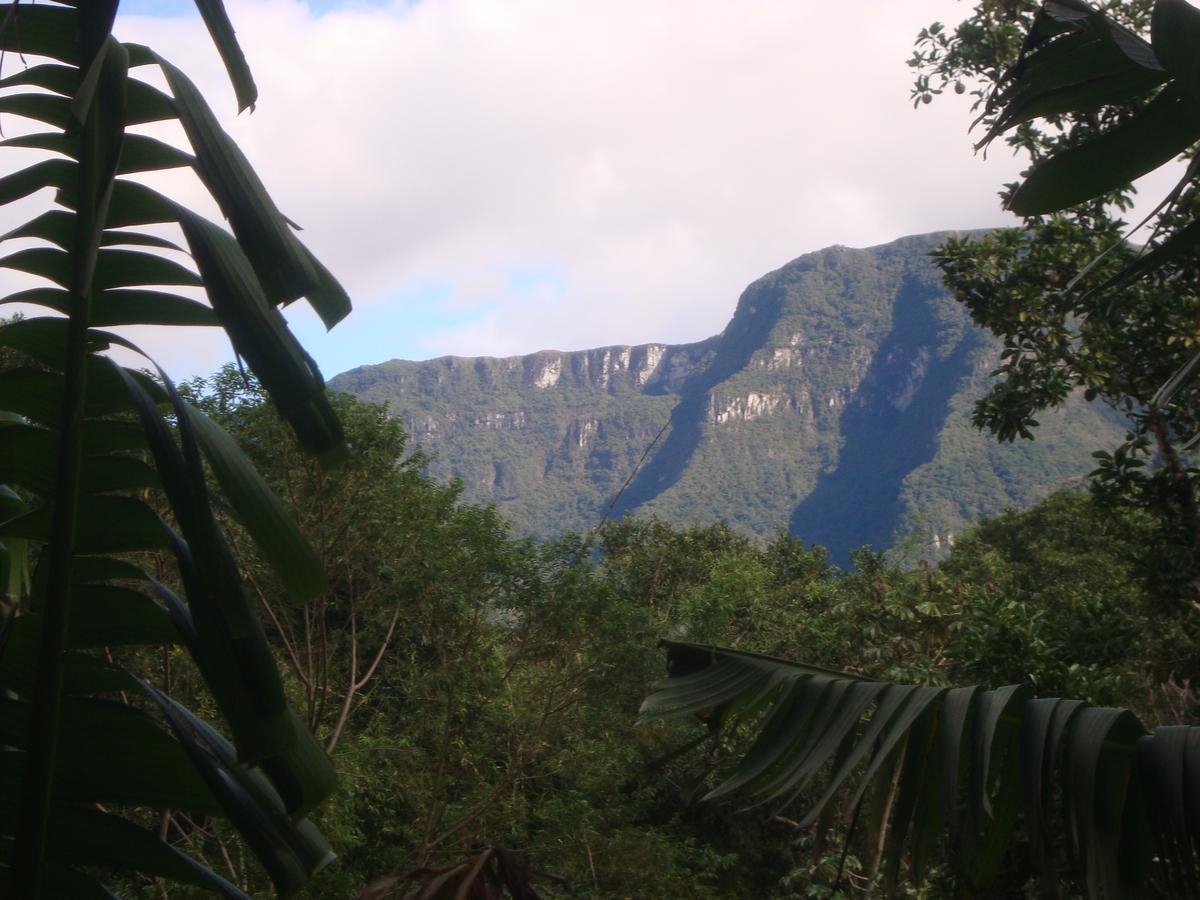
x: 655, y: 155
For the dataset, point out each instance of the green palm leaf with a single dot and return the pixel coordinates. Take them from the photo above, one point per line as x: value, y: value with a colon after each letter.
x: 87, y: 446
x: 969, y: 767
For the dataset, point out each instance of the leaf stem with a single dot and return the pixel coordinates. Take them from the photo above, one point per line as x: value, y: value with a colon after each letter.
x: 100, y: 142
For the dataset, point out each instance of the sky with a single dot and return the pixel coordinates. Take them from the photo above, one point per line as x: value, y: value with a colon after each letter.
x: 496, y: 177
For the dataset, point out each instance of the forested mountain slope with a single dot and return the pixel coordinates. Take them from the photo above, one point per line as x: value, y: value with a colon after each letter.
x: 835, y: 403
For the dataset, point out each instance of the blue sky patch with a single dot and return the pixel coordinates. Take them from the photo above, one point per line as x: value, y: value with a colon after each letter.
x: 396, y: 327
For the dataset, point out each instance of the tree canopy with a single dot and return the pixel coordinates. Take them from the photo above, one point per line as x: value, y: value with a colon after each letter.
x: 1079, y: 307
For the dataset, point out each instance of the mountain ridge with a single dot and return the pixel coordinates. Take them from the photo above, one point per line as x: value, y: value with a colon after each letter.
x: 834, y: 403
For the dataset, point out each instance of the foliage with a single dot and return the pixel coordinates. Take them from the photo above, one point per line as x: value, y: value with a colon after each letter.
x: 103, y: 469
x: 494, y: 872
x: 976, y: 55
x: 501, y: 712
x: 1097, y: 795
x: 954, y: 774
x: 1094, y: 106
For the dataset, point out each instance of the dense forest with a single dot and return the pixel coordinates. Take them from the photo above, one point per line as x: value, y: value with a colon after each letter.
x: 249, y: 645
x: 474, y: 689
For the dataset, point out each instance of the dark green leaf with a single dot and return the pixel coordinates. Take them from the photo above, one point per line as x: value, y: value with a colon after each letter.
x: 39, y: 30
x: 107, y: 524
x: 1156, y: 135
x: 51, y: 76
x: 285, y: 849
x: 221, y: 30
x: 133, y: 268
x: 45, y: 262
x: 1077, y: 73
x: 131, y: 204
x: 48, y: 108
x: 259, y: 334
x: 58, y: 173
x: 52, y: 142
x: 229, y: 646
x: 105, y: 615
x: 89, y: 837
x: 114, y: 238
x: 142, y: 307
x: 147, y: 154
x: 87, y: 569
x: 1099, y: 765
x: 328, y: 298
x: 1162, y: 760
x: 913, y: 775
x: 269, y: 524
x: 145, y: 103
x: 54, y: 226
x: 31, y: 452
x: 114, y: 753
x: 82, y: 672
x: 278, y: 258
x: 44, y: 338
x: 1175, y: 35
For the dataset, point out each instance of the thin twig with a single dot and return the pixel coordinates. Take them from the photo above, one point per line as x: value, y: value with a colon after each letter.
x: 628, y: 481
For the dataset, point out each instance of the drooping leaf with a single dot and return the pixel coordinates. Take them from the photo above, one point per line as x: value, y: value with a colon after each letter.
x: 39, y: 30
x: 232, y: 654
x: 974, y: 763
x: 269, y: 524
x: 1077, y: 72
x: 221, y: 30
x: 1162, y: 764
x: 279, y: 261
x: 291, y: 852
x: 260, y: 334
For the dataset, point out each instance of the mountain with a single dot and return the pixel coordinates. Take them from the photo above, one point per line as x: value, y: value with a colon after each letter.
x: 835, y: 403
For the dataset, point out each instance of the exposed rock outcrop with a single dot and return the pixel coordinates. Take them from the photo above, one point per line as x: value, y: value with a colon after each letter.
x: 836, y: 401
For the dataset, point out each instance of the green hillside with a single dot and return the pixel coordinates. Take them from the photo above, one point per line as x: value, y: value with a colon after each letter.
x: 836, y: 403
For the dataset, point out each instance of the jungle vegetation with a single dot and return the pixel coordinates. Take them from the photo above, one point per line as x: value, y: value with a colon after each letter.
x: 251, y: 551
x: 478, y: 690
x: 1085, y: 791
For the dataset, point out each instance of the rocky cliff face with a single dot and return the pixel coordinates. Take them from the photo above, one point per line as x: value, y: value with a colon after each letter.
x: 836, y: 403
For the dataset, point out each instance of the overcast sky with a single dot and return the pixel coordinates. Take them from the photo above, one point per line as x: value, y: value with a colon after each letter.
x: 502, y: 176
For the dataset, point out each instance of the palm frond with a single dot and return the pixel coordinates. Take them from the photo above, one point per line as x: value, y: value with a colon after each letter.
x: 969, y: 768
x: 86, y: 446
